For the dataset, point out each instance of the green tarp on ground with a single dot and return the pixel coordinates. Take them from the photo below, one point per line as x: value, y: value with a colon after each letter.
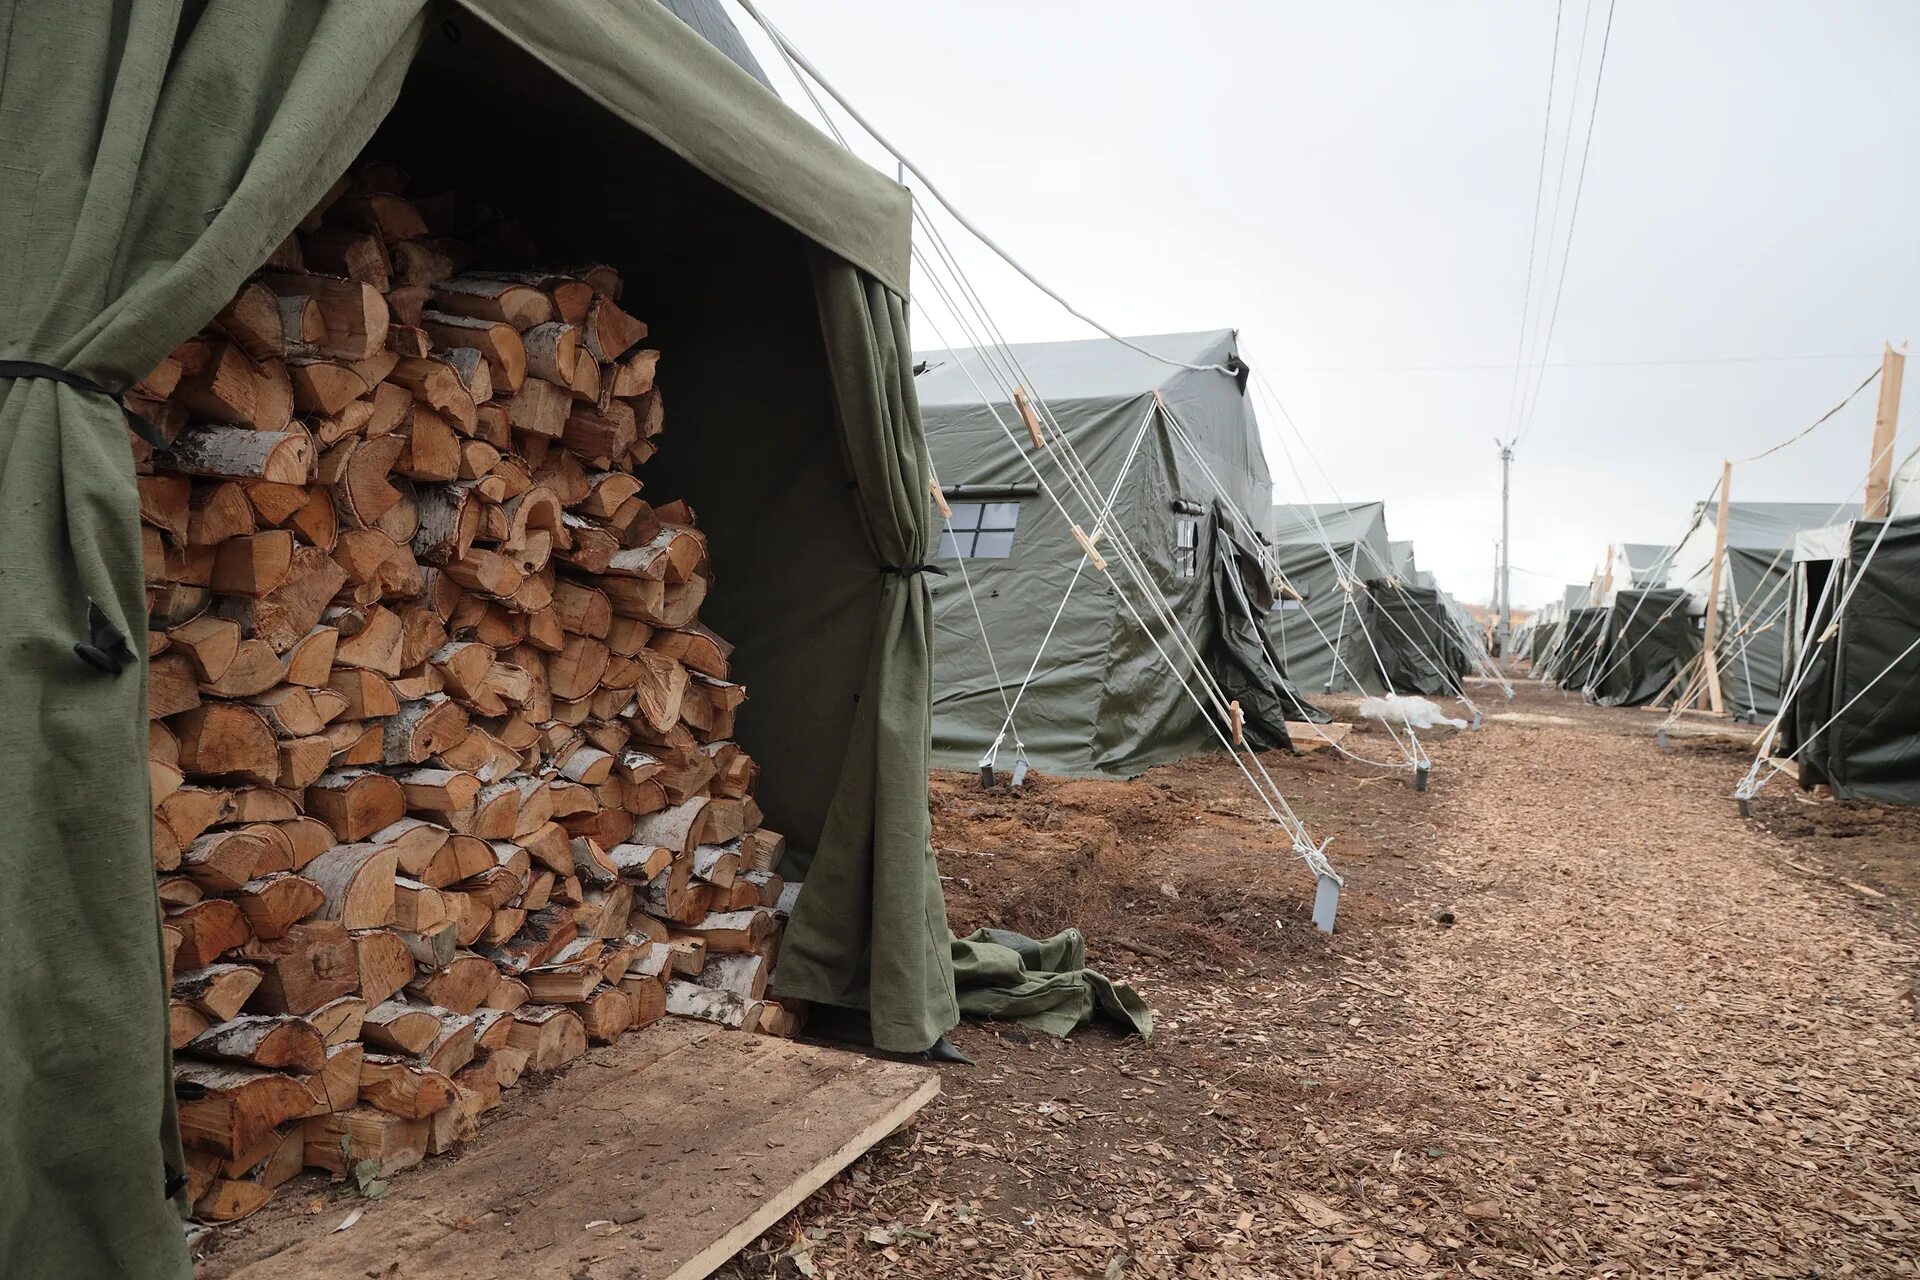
x: 153, y: 154
x: 1168, y: 452
x: 1854, y: 722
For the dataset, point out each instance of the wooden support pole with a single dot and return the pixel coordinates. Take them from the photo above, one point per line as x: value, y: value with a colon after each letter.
x: 1606, y: 581
x: 1886, y: 420
x: 1708, y: 655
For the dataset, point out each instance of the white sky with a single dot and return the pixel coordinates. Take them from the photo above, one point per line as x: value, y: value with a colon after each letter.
x: 1349, y: 185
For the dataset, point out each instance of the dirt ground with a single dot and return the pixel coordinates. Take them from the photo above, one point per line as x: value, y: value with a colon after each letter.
x: 1579, y: 1018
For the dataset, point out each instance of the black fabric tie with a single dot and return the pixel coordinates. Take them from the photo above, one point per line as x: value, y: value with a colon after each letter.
x: 907, y: 571
x: 34, y: 369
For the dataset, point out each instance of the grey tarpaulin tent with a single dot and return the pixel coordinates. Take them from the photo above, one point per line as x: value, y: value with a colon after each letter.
x: 1418, y: 638
x: 1854, y: 722
x: 155, y: 156
x: 1326, y: 552
x: 1753, y: 591
x: 1648, y: 640
x: 1101, y: 700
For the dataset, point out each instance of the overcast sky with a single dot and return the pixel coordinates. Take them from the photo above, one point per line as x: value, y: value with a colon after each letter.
x: 1350, y: 185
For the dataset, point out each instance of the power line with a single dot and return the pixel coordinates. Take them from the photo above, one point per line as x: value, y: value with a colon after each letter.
x: 1533, y: 232
x: 1564, y: 364
x: 1573, y: 221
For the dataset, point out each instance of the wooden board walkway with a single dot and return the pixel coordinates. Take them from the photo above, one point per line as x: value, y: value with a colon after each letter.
x: 674, y: 1151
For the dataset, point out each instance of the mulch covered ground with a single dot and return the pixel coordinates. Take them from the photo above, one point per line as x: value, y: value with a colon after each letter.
x: 1579, y: 1019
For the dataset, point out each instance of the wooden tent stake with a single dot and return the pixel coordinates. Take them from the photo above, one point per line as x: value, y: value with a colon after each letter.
x: 1712, y: 659
x: 1893, y: 366
x: 1239, y: 722
x: 939, y: 499
x: 1028, y: 416
x: 1086, y: 545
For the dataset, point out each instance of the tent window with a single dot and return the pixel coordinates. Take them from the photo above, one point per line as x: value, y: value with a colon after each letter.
x: 981, y: 530
x: 1186, y: 539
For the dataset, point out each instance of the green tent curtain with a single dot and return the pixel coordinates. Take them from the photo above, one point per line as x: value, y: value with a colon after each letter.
x: 152, y: 153
x: 870, y: 931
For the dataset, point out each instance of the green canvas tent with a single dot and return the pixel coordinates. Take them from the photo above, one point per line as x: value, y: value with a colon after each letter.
x: 1326, y: 552
x: 1419, y: 641
x: 1174, y: 452
x: 1754, y: 590
x: 155, y: 155
x: 1648, y: 640
x: 1854, y: 721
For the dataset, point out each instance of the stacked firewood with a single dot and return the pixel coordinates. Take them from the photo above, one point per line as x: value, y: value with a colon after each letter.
x: 444, y: 783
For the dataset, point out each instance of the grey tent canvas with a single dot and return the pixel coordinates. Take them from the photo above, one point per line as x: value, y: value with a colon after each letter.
x: 1172, y: 460
x: 1326, y: 552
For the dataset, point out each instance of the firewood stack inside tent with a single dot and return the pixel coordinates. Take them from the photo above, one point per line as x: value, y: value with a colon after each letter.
x: 444, y: 780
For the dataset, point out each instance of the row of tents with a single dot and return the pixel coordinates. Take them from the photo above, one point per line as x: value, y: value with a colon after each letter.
x: 1037, y: 655
x: 1818, y: 613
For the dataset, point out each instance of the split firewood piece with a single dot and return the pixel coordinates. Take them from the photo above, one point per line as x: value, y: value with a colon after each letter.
x: 252, y: 321
x: 400, y: 1027
x: 310, y: 659
x: 450, y: 516
x: 274, y: 903
x: 218, y: 511
x: 285, y: 457
x: 717, y: 864
x: 357, y: 471
x: 356, y: 255
x: 659, y: 689
x: 462, y: 986
x: 255, y: 669
x: 263, y: 1040
x: 172, y: 686
x: 691, y: 1000
x: 313, y: 963
x: 414, y: 843
x: 354, y: 313
x: 601, y: 436
x: 371, y: 636
x: 209, y: 643
x: 336, y: 1087
x: 634, y: 377
x: 605, y: 1014
x: 427, y: 260
x: 166, y: 504
x: 342, y: 1140
x: 697, y: 647
x: 733, y: 932
x: 551, y: 1036
x: 338, y: 1021
x: 561, y: 983
x: 377, y: 566
x: 390, y: 216
x: 219, y: 991
x: 437, y: 381
x: 384, y: 962
x: 227, y: 739
x: 253, y: 565
x: 454, y: 1046
x: 356, y: 803
x: 308, y: 837
x: 551, y: 350
x: 208, y: 929
x: 217, y: 382
x: 357, y: 880
x: 609, y: 333
x: 744, y: 976
x: 418, y: 908
x: 519, y: 305
x: 400, y: 1088
x: 497, y: 341
x: 184, y: 1022
x: 433, y: 451
x: 676, y: 828
x: 190, y: 810
x: 421, y: 729
x: 285, y: 616
x: 222, y: 861
x: 296, y: 712
x: 233, y: 1107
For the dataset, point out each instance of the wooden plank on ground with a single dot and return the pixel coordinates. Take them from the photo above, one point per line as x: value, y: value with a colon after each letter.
x: 1317, y: 737
x: 675, y: 1149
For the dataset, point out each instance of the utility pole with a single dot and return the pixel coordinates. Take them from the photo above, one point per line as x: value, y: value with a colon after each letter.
x: 1503, y: 617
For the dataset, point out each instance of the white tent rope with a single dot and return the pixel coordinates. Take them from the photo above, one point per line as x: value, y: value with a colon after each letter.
x: 794, y: 56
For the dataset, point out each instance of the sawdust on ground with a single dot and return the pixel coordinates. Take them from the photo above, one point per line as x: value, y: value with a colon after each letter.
x: 1579, y: 1019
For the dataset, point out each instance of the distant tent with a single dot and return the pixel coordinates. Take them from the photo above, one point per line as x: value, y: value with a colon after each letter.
x: 1855, y: 719
x: 1419, y: 644
x: 1574, y: 657
x: 1645, y: 564
x: 1754, y: 591
x: 1648, y: 641
x: 1326, y: 552
x: 1400, y: 563
x: 1102, y: 701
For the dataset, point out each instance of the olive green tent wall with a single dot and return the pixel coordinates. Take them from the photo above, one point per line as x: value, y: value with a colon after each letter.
x: 154, y: 155
x: 1102, y: 701
x: 1649, y: 640
x: 1418, y: 641
x: 1854, y: 722
x: 1323, y: 638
